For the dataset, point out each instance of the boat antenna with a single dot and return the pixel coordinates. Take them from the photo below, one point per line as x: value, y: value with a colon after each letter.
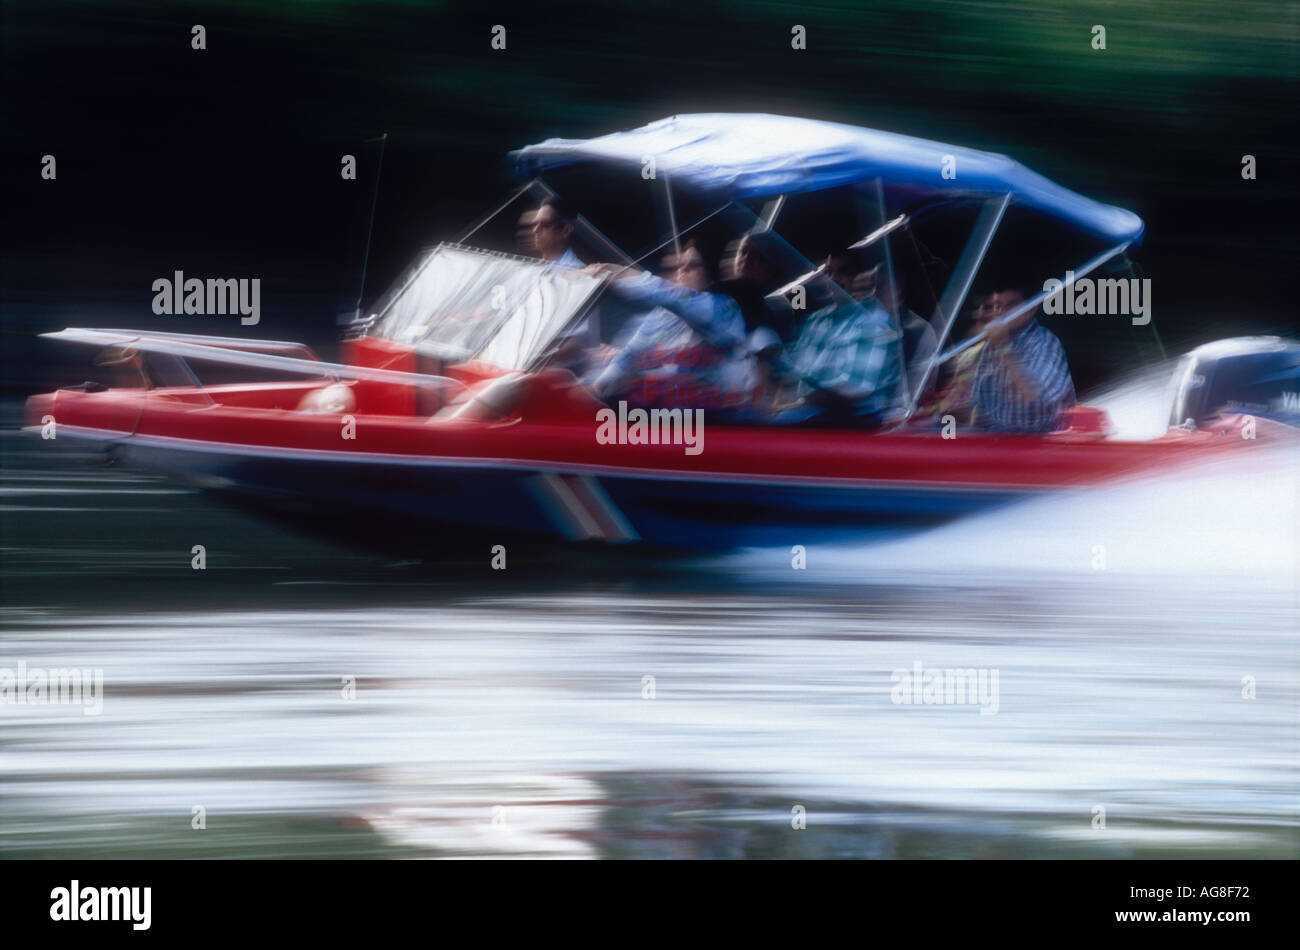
x: 370, y: 230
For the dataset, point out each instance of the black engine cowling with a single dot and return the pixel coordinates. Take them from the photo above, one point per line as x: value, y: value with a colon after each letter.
x: 1259, y: 375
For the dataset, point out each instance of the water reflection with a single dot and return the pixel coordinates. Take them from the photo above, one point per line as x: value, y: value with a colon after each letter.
x: 495, y: 719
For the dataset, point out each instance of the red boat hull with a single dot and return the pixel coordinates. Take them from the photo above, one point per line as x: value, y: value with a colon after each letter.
x: 416, y: 484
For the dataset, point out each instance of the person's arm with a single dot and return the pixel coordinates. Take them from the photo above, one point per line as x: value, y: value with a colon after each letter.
x: 1001, y: 350
x: 611, y: 377
x: 1039, y: 373
x: 647, y: 330
x: 1027, y: 388
x: 713, y: 316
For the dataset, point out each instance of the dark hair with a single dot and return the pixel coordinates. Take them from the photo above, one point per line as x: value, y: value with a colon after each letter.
x: 709, y: 259
x: 998, y: 284
x: 765, y: 245
x: 563, y: 209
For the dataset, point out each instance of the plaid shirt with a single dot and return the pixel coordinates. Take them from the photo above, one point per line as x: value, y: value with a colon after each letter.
x: 852, y: 348
x: 1040, y: 357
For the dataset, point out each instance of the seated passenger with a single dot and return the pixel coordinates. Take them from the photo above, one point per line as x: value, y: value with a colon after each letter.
x: 1022, y: 381
x: 686, y: 352
x: 751, y: 276
x: 839, y: 268
x: 845, y: 361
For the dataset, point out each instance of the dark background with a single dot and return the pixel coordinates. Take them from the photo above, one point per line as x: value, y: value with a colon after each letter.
x: 225, y: 162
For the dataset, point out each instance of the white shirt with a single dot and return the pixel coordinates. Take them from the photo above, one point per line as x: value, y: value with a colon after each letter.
x: 570, y: 261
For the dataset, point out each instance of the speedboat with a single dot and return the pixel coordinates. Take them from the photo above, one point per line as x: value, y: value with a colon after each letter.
x: 374, y: 449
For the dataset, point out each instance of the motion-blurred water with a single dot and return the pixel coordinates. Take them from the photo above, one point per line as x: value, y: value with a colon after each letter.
x: 507, y: 713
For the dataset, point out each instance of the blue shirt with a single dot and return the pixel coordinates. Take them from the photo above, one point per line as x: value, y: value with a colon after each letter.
x: 568, y: 261
x: 1040, y: 357
x: 685, y: 352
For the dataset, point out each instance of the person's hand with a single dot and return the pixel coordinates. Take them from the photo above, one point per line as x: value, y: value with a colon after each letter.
x: 998, y: 334
x: 603, y: 353
x: 606, y: 269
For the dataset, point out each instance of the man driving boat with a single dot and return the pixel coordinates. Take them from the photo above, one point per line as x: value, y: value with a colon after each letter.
x: 552, y: 234
x: 551, y: 231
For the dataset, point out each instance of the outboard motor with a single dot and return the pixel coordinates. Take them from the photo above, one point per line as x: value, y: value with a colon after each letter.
x: 1259, y: 375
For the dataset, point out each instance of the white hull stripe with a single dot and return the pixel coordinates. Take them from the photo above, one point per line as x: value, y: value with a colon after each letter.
x: 613, y: 525
x: 569, y: 515
x: 534, y: 465
x: 580, y: 509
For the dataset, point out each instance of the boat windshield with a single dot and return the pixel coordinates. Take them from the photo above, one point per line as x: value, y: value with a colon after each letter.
x: 460, y: 303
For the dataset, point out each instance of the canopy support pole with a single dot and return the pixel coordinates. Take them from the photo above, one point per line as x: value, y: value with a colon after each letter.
x: 1032, y: 303
x: 770, y: 212
x: 672, y: 217
x: 891, y: 307
x: 954, y: 295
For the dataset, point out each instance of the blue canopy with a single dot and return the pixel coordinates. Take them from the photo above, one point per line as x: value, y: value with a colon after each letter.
x: 739, y: 156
